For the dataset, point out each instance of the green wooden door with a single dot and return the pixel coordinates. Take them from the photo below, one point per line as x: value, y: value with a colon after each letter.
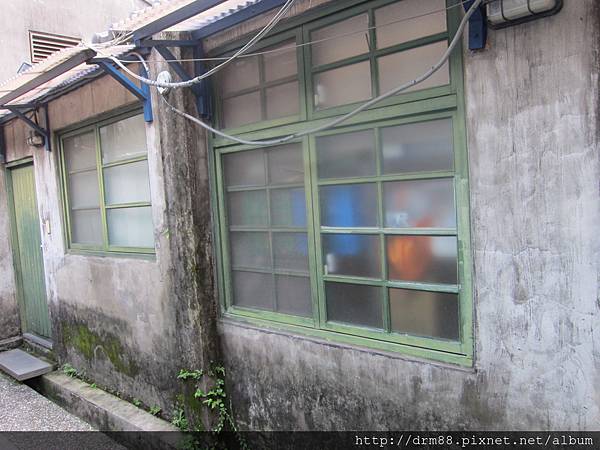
x: 28, y: 252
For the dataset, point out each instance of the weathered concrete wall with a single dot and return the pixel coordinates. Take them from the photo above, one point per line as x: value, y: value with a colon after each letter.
x: 67, y: 17
x: 532, y: 121
x: 112, y: 317
x: 10, y: 325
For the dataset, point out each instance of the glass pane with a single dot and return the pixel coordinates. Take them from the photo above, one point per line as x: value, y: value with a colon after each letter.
x: 419, y: 203
x: 80, y: 152
x: 418, y: 18
x: 415, y: 147
x: 423, y: 313
x: 238, y: 75
x: 290, y: 251
x: 242, y: 110
x: 286, y: 164
x: 347, y: 84
x: 346, y: 155
x: 282, y: 100
x: 244, y: 168
x: 253, y: 290
x: 281, y: 64
x: 352, y: 254
x: 349, y: 205
x: 351, y: 40
x: 130, y: 227
x: 86, y: 227
x: 293, y: 295
x: 84, y: 191
x: 248, y: 208
x: 250, y: 250
x: 288, y: 207
x: 124, y: 139
x: 399, y: 68
x: 426, y: 259
x: 127, y: 183
x: 354, y: 303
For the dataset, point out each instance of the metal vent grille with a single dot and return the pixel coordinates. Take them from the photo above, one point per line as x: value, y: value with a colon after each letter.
x: 43, y: 45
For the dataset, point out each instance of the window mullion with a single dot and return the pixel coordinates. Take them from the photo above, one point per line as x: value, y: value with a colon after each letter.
x: 105, y: 245
x: 372, y: 59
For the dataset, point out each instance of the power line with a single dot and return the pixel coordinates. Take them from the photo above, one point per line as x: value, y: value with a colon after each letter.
x: 355, y: 111
x: 316, y: 41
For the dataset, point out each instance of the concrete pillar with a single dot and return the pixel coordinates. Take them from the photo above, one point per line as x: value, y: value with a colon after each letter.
x: 187, y: 191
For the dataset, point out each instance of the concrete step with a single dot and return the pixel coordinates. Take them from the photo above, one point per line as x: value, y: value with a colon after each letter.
x: 107, y: 412
x: 23, y: 366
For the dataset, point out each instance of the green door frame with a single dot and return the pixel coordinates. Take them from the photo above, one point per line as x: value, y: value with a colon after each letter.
x: 44, y: 324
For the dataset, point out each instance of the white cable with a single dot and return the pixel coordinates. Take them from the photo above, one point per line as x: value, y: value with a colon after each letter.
x: 274, y: 21
x: 355, y: 111
x: 289, y: 48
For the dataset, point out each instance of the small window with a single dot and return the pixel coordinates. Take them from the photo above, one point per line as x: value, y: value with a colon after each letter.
x: 42, y: 45
x: 107, y: 187
x: 357, y: 58
x: 262, y: 87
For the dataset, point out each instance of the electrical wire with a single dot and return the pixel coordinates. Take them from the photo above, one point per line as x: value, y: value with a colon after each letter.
x: 352, y: 113
x: 274, y: 21
x: 316, y: 41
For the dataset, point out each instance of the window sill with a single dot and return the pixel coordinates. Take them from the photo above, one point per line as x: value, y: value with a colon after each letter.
x: 364, y: 344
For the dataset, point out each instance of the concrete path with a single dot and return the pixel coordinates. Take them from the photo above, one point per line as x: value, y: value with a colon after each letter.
x: 23, y: 409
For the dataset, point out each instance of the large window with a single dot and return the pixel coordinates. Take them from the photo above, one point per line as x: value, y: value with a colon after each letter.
x: 359, y: 233
x: 106, y: 186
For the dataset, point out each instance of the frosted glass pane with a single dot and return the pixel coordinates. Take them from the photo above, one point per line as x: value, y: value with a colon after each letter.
x: 399, y: 68
x: 341, y: 86
x: 281, y: 64
x: 351, y: 44
x: 288, y: 207
x: 419, y: 203
x: 242, y: 110
x: 352, y: 254
x: 349, y: 205
x: 86, y: 227
x: 241, y: 74
x: 425, y: 17
x: 244, y: 168
x: 293, y: 295
x: 423, y: 313
x: 417, y: 147
x: 250, y: 250
x: 248, y: 208
x: 354, y: 303
x: 426, y: 259
x: 130, y: 227
x: 346, y: 155
x: 253, y: 290
x: 80, y: 152
x: 286, y: 164
x: 282, y: 100
x: 84, y: 191
x: 127, y: 183
x: 124, y: 139
x: 290, y: 251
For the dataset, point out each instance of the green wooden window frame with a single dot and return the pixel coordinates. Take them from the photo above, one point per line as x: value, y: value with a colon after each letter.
x: 104, y: 207
x: 441, y: 102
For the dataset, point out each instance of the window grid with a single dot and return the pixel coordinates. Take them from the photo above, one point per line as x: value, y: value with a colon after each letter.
x: 103, y: 207
x: 372, y: 56
x: 412, y: 107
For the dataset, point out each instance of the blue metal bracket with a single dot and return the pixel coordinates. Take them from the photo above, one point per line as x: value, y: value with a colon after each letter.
x: 201, y: 91
x: 477, y: 27
x: 142, y: 93
x: 44, y: 132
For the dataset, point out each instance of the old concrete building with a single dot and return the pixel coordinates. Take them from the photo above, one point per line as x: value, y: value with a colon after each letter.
x: 54, y: 21
x: 429, y: 263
